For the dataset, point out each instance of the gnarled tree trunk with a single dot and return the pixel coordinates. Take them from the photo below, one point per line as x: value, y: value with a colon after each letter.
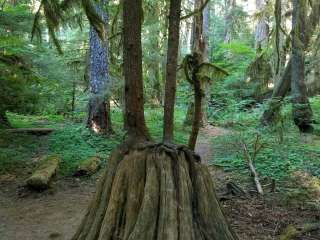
x: 155, y: 192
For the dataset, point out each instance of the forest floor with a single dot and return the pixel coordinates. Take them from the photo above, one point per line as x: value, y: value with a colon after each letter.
x: 55, y: 214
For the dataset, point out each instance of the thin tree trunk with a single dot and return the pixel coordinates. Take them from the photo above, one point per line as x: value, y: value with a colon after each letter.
x: 198, y: 97
x: 98, y: 115
x: 73, y: 100
x: 302, y: 112
x: 200, y: 46
x: 132, y: 64
x: 171, y: 69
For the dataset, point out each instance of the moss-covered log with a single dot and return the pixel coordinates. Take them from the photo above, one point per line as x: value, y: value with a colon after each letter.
x: 88, y: 167
x: 43, y: 175
x: 155, y: 191
x: 32, y: 131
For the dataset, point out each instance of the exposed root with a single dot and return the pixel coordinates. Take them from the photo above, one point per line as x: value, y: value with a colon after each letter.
x: 155, y: 191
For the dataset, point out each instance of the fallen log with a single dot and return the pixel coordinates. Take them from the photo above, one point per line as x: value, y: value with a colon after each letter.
x: 33, y: 131
x: 88, y: 167
x: 42, y: 176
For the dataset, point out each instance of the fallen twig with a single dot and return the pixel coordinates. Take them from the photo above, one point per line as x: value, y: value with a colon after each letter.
x: 250, y: 161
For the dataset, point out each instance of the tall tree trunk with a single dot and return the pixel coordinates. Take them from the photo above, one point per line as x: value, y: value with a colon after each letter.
x: 171, y: 69
x: 196, y: 60
x: 132, y: 64
x: 200, y: 46
x: 151, y: 191
x: 283, y: 87
x: 262, y: 28
x: 154, y: 67
x: 302, y: 112
x: 98, y: 115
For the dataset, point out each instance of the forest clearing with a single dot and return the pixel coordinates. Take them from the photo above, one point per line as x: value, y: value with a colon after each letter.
x: 166, y: 120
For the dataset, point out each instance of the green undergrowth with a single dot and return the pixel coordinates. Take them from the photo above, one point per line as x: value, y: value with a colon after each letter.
x: 284, y: 152
x: 71, y: 140
x: 17, y: 151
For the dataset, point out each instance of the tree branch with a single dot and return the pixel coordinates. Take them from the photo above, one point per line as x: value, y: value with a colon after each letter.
x: 196, y: 11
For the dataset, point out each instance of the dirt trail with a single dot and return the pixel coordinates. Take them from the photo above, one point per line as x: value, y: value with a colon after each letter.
x: 40, y: 216
x: 204, y: 146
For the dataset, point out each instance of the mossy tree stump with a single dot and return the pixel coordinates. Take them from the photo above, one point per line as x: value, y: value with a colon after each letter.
x: 155, y: 191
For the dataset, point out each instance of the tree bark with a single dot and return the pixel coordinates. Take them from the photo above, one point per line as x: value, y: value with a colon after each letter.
x: 198, y: 96
x: 171, y: 69
x: 156, y: 192
x: 283, y: 87
x: 132, y: 64
x: 200, y: 46
x: 279, y: 92
x: 98, y: 114
x: 262, y: 28
x: 302, y: 112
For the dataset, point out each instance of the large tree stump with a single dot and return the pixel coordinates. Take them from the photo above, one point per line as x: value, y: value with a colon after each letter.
x: 41, y: 178
x: 155, y: 191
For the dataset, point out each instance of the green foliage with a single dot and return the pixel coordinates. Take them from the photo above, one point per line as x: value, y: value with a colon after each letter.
x: 18, y: 85
x: 17, y: 152
x: 285, y: 150
x: 71, y: 140
x: 74, y: 144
